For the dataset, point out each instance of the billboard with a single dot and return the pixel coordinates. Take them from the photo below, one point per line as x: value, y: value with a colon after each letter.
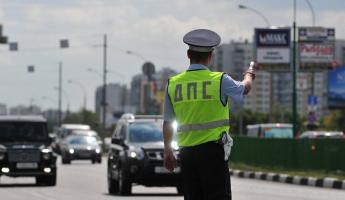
x: 316, y: 48
x: 336, y: 88
x: 316, y: 52
x: 273, y: 48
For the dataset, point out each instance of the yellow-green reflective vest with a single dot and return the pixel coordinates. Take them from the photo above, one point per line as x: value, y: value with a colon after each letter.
x: 200, y: 113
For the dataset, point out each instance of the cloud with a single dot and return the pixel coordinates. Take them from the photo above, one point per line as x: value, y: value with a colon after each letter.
x: 153, y: 28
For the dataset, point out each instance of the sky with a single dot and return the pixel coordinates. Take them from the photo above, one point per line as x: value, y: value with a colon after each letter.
x: 152, y: 28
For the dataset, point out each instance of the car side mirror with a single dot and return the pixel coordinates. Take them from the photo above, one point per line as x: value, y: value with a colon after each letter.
x: 52, y: 136
x: 116, y: 141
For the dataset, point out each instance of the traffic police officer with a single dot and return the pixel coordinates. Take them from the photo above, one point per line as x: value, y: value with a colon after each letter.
x: 198, y: 100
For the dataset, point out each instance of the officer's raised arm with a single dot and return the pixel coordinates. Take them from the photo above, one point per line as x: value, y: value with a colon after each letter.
x: 249, y: 76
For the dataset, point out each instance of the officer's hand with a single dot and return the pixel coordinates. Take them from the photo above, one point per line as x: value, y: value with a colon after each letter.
x: 169, y: 159
x: 253, y: 67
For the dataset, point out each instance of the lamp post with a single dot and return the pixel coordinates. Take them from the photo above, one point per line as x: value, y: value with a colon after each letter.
x: 294, y: 72
x: 118, y: 74
x: 312, y: 11
x: 240, y: 6
x: 129, y: 52
x: 82, y: 89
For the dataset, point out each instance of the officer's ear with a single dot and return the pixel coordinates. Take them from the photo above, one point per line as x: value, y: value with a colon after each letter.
x: 188, y: 54
x: 210, y: 57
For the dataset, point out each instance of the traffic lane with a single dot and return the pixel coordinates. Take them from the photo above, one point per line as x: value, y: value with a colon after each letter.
x: 245, y: 189
x: 80, y: 180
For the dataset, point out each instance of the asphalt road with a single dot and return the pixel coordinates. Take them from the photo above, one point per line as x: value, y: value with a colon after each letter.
x: 84, y: 181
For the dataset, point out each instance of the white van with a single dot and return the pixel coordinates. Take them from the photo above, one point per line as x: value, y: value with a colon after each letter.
x: 270, y: 130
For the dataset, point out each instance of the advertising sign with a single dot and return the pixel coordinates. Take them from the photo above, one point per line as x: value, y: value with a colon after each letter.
x: 273, y: 55
x: 316, y: 48
x: 273, y: 48
x: 316, y: 34
x: 336, y: 88
x: 312, y: 100
x: 316, y: 52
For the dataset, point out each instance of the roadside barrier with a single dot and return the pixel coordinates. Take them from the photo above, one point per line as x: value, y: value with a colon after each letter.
x: 313, y: 154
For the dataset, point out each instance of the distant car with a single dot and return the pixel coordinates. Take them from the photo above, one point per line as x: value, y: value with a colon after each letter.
x: 66, y: 130
x: 321, y: 134
x: 88, y: 133
x: 25, y: 149
x: 277, y: 130
x: 79, y: 147
x: 136, y: 155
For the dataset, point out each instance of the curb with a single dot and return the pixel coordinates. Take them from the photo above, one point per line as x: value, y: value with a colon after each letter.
x: 297, y: 180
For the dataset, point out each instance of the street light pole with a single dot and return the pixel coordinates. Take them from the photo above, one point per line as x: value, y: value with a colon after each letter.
x: 257, y: 12
x: 294, y: 95
x: 104, y: 99
x: 312, y: 11
x: 129, y: 52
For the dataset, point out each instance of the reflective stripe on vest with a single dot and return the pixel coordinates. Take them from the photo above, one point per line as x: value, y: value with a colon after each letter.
x: 204, y: 126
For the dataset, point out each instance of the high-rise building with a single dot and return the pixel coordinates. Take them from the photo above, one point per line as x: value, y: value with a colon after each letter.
x: 234, y: 58
x: 116, y: 101
x: 143, y: 92
x: 3, y: 109
x: 25, y: 110
x: 340, y: 51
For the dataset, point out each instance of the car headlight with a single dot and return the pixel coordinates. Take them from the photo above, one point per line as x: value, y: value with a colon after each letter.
x: 98, y: 150
x: 136, y: 153
x: 71, y: 151
x: 46, y: 153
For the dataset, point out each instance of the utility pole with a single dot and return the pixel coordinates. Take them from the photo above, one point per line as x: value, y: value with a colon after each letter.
x: 294, y: 95
x: 104, y: 99
x: 59, y: 94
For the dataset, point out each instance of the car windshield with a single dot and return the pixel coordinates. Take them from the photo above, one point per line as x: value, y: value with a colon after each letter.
x: 82, y: 140
x: 23, y: 132
x: 145, y: 132
x: 278, y: 132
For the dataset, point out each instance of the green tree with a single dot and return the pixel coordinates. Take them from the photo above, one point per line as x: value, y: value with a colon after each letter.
x: 334, y: 121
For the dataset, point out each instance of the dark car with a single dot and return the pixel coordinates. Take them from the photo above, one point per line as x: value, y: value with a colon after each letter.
x: 80, y: 147
x: 136, y: 156
x: 25, y: 149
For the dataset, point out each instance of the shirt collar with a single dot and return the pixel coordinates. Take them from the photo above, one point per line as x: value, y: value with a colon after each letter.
x: 193, y: 67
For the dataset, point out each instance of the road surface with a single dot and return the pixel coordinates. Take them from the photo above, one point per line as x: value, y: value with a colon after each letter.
x: 83, y: 181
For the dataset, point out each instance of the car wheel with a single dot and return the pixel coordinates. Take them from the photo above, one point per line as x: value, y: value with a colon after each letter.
x: 66, y: 161
x: 93, y: 161
x: 179, y: 189
x: 99, y: 160
x: 113, y: 185
x: 125, y: 186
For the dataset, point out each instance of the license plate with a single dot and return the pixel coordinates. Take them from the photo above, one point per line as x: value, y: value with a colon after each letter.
x: 163, y: 170
x: 27, y: 165
x: 84, y: 154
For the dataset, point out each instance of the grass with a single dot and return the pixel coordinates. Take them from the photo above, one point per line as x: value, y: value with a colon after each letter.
x: 293, y: 172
